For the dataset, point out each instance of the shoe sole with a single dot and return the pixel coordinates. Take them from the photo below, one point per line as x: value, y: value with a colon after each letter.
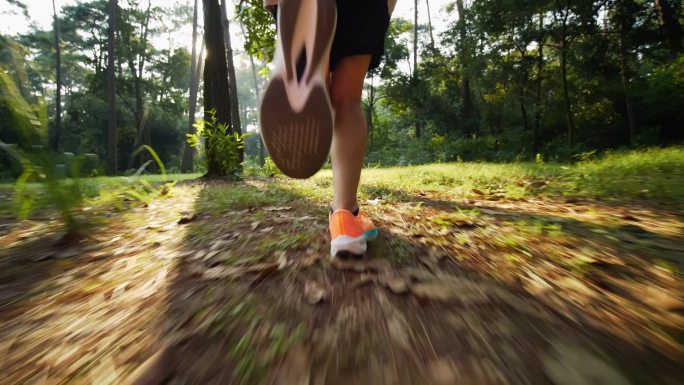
x: 346, y: 247
x: 296, y: 116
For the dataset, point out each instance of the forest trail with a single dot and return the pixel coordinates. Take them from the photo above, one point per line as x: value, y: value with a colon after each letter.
x: 230, y: 283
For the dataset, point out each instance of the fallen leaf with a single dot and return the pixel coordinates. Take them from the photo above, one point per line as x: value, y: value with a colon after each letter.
x: 304, y: 218
x: 42, y: 256
x: 262, y: 271
x: 361, y: 281
x: 537, y: 184
x: 398, y: 333
x: 441, y: 372
x: 186, y: 218
x: 396, y: 283
x: 262, y: 267
x: 418, y: 274
x: 478, y: 192
x: 575, y: 365
x: 282, y: 260
x: 489, y: 211
x: 222, y: 272
x: 311, y: 258
x: 155, y: 370
x: 254, y: 225
x: 283, y: 208
x: 377, y: 265
x: 626, y: 215
x: 455, y: 289
x: 295, y: 368
x: 314, y: 293
x: 68, y: 253
x: 210, y: 255
x: 266, y: 229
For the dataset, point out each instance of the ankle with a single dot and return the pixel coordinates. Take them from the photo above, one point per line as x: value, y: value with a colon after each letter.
x: 350, y: 206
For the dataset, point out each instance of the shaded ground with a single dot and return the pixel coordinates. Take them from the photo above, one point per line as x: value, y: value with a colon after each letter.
x: 231, y: 283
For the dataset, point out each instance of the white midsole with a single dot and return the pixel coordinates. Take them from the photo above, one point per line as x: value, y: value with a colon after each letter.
x: 354, y: 245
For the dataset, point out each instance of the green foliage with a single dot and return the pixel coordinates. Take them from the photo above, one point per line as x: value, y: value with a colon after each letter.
x: 268, y: 170
x: 215, y: 138
x: 259, y: 29
x: 19, y: 120
x: 622, y: 83
x: 61, y: 192
x: 651, y: 173
x: 48, y: 181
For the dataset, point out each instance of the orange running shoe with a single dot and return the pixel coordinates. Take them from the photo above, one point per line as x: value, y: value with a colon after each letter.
x: 349, y: 233
x: 295, y: 115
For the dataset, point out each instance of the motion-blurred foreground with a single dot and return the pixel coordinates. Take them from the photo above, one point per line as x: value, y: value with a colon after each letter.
x: 483, y: 274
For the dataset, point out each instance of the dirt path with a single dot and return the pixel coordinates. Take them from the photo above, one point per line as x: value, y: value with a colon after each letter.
x: 207, y: 288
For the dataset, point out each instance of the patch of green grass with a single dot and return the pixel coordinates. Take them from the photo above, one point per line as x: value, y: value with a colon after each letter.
x: 285, y: 241
x: 237, y: 196
x: 655, y: 173
x: 536, y: 227
x: 461, y: 217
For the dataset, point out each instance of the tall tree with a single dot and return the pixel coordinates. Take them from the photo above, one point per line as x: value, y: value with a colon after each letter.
x: 623, y: 17
x: 216, y: 88
x: 432, y: 38
x: 232, y: 80
x: 562, y: 13
x: 464, y: 50
x: 669, y: 21
x: 58, y: 81
x: 111, y: 91
x: 539, y: 78
x: 189, y: 151
x: 262, y: 148
x: 414, y: 78
x: 137, y: 54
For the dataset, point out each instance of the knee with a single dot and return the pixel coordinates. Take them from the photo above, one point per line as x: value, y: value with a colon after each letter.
x: 344, y: 102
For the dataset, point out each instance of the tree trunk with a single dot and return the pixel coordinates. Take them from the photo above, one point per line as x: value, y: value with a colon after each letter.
x: 58, y: 92
x: 670, y: 26
x: 142, y: 111
x: 262, y: 152
x: 369, y: 112
x: 536, y: 139
x: 262, y: 148
x: 188, y: 151
x: 625, y: 77
x: 523, y: 113
x: 464, y: 59
x: 216, y: 87
x: 522, y: 86
x: 432, y: 38
x: 415, y: 38
x: 111, y: 92
x: 415, y: 60
x: 232, y: 79
x: 566, y: 93
x: 136, y: 51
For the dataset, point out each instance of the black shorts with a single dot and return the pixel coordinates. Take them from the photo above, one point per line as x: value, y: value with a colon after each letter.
x: 361, y: 29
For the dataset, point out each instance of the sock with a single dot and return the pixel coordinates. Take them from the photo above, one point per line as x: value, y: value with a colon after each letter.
x: 355, y: 212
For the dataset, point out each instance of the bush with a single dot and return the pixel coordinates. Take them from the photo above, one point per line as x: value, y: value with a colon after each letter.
x: 216, y: 143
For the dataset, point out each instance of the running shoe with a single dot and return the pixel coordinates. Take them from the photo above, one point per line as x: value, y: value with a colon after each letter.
x: 296, y: 116
x: 349, y: 234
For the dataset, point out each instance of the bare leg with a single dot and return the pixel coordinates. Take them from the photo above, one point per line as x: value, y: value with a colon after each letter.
x: 349, y: 135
